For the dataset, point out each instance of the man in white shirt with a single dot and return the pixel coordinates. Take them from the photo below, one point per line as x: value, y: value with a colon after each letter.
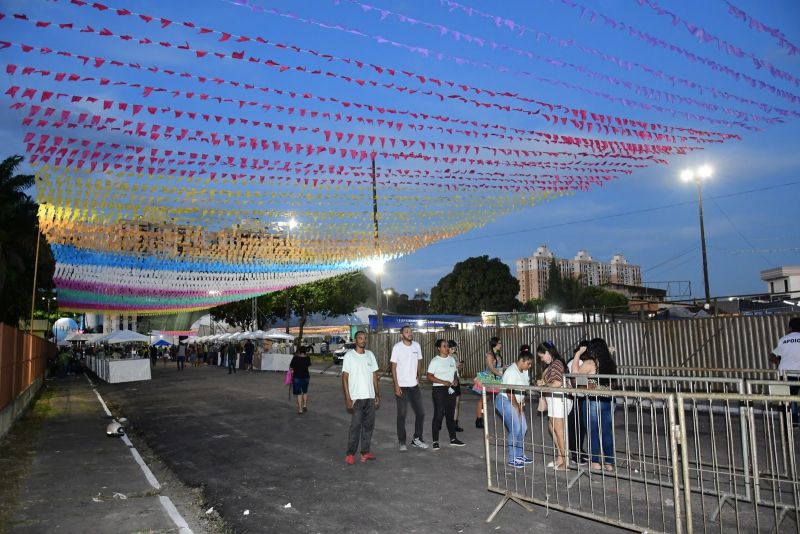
x: 787, y: 355
x: 406, y: 355
x: 361, y: 396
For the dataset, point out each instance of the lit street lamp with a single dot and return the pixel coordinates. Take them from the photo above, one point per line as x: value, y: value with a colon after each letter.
x: 697, y: 176
x: 388, y: 293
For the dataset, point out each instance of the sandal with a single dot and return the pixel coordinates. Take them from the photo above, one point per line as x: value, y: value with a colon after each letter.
x: 595, y: 466
x: 609, y: 468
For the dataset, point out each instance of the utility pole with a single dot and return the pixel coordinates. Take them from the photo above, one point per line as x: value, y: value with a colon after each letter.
x: 35, y: 274
x: 378, y: 290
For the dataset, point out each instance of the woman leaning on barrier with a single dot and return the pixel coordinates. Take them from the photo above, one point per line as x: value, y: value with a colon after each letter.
x: 597, y: 360
x: 558, y: 404
x: 510, y: 406
x: 489, y: 377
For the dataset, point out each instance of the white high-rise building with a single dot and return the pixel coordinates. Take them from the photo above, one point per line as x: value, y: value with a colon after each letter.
x: 533, y: 272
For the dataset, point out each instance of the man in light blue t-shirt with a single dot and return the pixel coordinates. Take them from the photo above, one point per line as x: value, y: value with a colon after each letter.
x: 361, y: 396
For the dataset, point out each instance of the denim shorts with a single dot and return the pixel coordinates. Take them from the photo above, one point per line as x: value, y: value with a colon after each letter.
x: 299, y: 385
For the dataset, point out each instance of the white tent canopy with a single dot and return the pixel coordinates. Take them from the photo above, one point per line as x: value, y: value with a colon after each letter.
x: 276, y: 333
x: 126, y: 336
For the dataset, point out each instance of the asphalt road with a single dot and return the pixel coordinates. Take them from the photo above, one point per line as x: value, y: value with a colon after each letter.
x: 265, y: 468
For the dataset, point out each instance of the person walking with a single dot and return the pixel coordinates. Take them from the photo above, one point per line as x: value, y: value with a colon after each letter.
x: 232, y: 353
x: 361, y: 397
x: 249, y: 350
x: 442, y: 374
x: 511, y: 406
x: 406, y: 355
x: 787, y: 355
x: 491, y: 374
x: 300, y: 378
x: 153, y: 355
x: 181, y: 355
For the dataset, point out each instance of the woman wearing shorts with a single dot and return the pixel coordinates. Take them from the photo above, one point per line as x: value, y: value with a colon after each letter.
x: 558, y: 404
x: 300, y: 378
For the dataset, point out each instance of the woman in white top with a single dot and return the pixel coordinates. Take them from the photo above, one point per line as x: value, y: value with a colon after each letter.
x: 442, y: 374
x: 510, y: 405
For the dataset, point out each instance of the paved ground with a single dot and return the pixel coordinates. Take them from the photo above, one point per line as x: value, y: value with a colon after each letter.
x: 264, y: 468
x: 77, y: 479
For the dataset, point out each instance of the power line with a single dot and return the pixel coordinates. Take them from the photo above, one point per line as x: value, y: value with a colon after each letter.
x: 684, y: 253
x: 747, y: 241
x: 613, y: 215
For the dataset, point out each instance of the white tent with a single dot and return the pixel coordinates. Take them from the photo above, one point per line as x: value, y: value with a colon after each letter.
x: 276, y: 333
x: 126, y: 336
x: 76, y: 336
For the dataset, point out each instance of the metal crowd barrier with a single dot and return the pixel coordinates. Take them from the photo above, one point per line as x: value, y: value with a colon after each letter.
x: 682, y: 461
x: 730, y: 372
x: 663, y: 384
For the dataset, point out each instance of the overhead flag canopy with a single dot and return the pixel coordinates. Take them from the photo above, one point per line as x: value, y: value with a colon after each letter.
x: 190, y: 154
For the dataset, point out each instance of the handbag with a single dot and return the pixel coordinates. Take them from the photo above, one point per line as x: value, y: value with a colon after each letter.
x: 485, y: 379
x: 542, y: 404
x: 287, y: 380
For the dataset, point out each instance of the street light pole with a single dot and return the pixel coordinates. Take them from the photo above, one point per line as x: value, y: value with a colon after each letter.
x: 697, y: 176
x: 703, y: 242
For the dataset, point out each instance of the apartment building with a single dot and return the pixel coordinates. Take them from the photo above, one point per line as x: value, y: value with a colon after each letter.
x: 533, y: 271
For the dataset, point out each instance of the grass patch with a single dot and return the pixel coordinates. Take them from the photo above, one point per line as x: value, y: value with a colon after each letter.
x: 17, y: 451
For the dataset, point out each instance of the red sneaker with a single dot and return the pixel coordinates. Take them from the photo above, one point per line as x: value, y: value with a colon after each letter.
x: 350, y: 459
x: 368, y: 456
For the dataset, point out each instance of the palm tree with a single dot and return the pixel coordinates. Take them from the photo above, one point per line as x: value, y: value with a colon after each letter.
x: 18, y: 229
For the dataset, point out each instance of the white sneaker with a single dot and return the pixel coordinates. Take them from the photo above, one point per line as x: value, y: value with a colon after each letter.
x: 418, y: 443
x: 403, y: 447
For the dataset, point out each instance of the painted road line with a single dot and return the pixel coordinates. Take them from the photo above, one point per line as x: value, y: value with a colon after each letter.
x: 166, y: 502
x: 177, y: 518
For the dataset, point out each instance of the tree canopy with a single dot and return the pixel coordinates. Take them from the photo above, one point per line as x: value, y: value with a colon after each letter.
x: 563, y: 292
x: 402, y: 304
x: 476, y: 284
x: 18, y: 233
x: 338, y: 295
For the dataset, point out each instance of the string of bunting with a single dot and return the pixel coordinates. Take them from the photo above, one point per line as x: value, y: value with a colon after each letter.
x: 165, y: 189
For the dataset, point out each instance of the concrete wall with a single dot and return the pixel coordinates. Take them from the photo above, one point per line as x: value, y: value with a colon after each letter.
x: 16, y: 407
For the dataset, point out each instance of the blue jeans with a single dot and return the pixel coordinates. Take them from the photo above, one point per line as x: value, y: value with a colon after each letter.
x: 515, y: 424
x: 601, y: 429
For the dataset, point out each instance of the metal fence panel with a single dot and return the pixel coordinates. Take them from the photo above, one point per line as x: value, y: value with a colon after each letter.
x: 733, y: 484
x: 637, y: 485
x: 711, y: 343
x: 23, y: 359
x: 691, y: 460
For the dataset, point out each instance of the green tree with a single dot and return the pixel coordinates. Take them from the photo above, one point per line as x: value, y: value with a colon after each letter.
x: 334, y: 296
x: 18, y: 237
x: 476, y: 284
x: 563, y: 292
x: 401, y: 303
x: 599, y: 299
